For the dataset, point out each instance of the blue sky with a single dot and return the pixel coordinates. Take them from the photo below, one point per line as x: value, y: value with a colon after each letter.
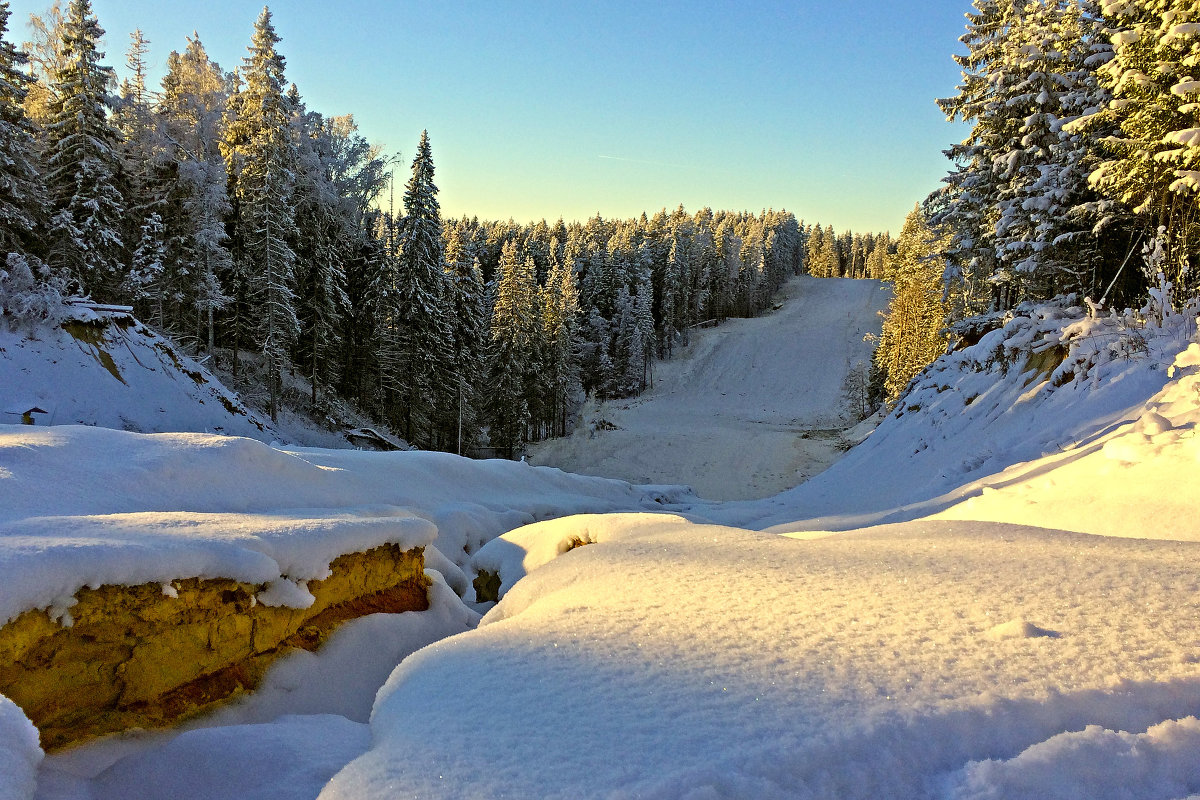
x: 549, y: 109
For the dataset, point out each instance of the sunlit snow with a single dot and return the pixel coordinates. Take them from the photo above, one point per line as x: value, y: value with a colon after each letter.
x: 994, y: 596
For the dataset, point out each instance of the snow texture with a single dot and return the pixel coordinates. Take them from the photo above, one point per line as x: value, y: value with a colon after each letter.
x: 118, y: 375
x: 90, y: 506
x: 20, y: 753
x: 1040, y: 649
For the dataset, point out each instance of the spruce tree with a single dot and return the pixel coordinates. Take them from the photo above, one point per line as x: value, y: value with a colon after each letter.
x: 197, y: 256
x: 1152, y: 160
x: 419, y: 307
x: 912, y: 329
x: 511, y: 357
x: 20, y: 186
x: 467, y: 303
x: 260, y: 155
x: 84, y: 161
x: 560, y: 307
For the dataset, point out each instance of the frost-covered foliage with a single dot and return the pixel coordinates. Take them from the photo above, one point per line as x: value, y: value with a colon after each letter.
x: 912, y: 334
x: 26, y: 297
x: 1152, y: 157
x: 84, y: 163
x: 20, y: 190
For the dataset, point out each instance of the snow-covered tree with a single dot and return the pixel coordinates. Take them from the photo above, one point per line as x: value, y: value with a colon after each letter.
x: 21, y: 197
x: 261, y: 160
x: 912, y: 328
x: 146, y: 272
x: 560, y: 307
x: 191, y: 109
x: 512, y: 354
x: 467, y: 302
x: 83, y: 156
x: 1152, y: 163
x: 418, y: 305
x: 30, y: 294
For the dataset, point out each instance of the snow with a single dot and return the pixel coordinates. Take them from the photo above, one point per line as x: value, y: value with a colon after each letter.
x: 980, y: 412
x: 86, y: 506
x: 676, y: 660
x: 288, y: 759
x: 132, y: 379
x: 768, y: 413
x: 20, y: 753
x: 994, y: 595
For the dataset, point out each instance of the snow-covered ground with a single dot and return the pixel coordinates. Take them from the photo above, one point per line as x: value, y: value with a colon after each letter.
x: 749, y: 409
x: 112, y: 371
x: 1025, y: 626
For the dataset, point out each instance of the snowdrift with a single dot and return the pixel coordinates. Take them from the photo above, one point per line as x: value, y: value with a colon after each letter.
x: 670, y: 660
x: 1050, y: 387
x: 108, y: 369
x: 1000, y: 646
x: 148, y: 577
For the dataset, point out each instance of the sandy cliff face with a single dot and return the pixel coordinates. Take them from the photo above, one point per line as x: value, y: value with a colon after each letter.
x: 150, y: 655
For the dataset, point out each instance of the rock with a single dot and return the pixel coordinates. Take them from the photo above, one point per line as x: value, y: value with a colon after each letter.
x: 137, y: 657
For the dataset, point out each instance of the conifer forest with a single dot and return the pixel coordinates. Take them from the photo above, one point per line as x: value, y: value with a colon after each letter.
x: 270, y: 240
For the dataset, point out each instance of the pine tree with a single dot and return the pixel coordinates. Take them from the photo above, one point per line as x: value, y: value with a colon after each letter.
x: 20, y: 186
x: 511, y: 360
x: 419, y: 303
x: 469, y: 332
x: 261, y: 160
x: 84, y: 163
x: 560, y: 307
x: 912, y: 329
x: 197, y: 255
x: 146, y: 272
x: 1152, y: 163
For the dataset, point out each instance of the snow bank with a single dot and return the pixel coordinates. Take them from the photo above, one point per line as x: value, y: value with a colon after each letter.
x: 289, y: 759
x: 20, y: 753
x: 343, y: 676
x: 1154, y: 454
x: 47, y: 559
x: 1095, y: 763
x: 672, y: 660
x: 1049, y: 384
x: 87, y: 506
x: 116, y: 373
x: 515, y: 554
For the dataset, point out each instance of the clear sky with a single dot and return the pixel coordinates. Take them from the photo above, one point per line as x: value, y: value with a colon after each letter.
x: 548, y: 109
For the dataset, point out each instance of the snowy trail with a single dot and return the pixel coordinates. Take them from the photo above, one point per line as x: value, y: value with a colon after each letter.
x: 725, y: 418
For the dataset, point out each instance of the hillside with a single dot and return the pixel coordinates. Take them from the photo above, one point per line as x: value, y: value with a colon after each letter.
x: 751, y: 408
x: 109, y: 370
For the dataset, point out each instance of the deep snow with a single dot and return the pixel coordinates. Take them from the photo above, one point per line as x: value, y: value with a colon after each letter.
x: 1036, y: 641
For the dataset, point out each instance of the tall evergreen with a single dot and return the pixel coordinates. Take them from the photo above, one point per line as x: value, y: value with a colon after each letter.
x: 467, y: 302
x: 197, y: 257
x: 260, y: 155
x: 1152, y: 157
x: 912, y: 330
x: 84, y: 161
x: 20, y: 187
x: 512, y: 356
x: 418, y: 304
x: 560, y: 308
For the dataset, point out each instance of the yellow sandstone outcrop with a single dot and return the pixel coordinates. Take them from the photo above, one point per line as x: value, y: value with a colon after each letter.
x: 137, y: 657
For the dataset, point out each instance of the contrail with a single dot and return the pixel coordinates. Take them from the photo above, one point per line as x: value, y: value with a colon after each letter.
x: 650, y: 163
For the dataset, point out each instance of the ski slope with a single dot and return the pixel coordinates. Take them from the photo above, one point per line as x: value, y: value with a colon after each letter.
x: 753, y: 407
